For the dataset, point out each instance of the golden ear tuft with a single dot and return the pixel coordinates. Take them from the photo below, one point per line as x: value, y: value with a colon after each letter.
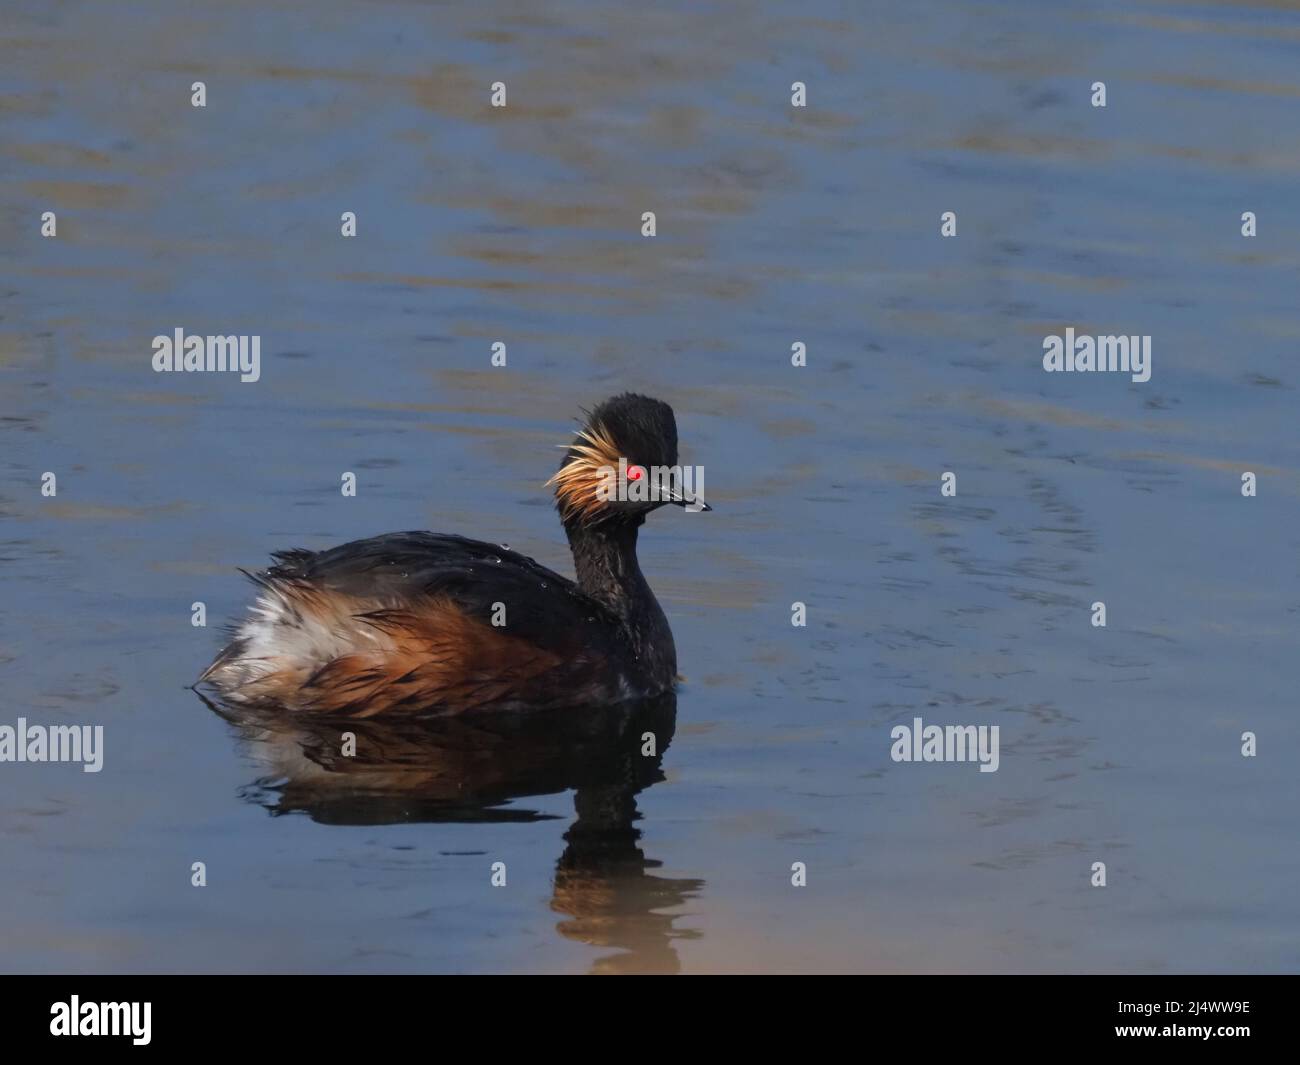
x: 577, y: 480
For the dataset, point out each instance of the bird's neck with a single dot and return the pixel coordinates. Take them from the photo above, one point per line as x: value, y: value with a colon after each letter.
x: 604, y: 559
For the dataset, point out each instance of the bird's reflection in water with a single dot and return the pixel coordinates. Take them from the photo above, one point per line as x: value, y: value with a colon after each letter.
x: 472, y: 769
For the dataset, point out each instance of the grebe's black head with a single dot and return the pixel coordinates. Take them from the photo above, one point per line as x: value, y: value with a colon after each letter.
x: 622, y: 464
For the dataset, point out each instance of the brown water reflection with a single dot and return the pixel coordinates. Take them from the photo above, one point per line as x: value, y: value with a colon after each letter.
x: 477, y: 770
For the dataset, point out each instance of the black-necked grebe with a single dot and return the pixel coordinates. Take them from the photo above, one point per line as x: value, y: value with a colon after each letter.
x: 420, y: 622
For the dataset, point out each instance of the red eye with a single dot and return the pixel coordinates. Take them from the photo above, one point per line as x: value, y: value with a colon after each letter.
x: 635, y: 473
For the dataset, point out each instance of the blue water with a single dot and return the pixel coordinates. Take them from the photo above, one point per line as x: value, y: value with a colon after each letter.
x: 775, y: 225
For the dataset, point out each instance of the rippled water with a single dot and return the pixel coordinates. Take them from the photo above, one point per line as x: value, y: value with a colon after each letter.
x: 775, y: 225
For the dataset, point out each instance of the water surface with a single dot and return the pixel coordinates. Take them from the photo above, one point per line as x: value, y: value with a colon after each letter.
x: 775, y: 225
